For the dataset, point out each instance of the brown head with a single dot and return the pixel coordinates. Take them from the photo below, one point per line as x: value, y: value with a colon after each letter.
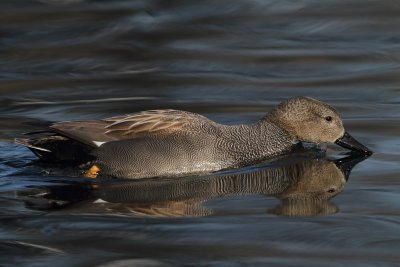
x: 309, y: 120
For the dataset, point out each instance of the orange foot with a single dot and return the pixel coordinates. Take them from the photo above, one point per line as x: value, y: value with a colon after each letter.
x: 92, y: 172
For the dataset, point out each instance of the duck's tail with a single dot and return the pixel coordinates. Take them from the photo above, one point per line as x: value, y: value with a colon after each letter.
x: 56, y: 148
x: 28, y: 143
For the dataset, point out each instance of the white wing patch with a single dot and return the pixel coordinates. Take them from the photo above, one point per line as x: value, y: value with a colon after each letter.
x: 98, y: 143
x: 99, y: 200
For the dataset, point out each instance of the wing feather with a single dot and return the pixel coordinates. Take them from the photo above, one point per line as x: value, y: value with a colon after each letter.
x: 145, y: 123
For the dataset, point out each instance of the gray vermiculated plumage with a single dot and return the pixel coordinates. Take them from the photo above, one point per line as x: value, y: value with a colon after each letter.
x: 207, y: 147
x: 172, y: 142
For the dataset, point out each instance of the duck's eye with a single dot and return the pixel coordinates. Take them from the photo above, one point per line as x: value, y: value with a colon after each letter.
x: 328, y: 118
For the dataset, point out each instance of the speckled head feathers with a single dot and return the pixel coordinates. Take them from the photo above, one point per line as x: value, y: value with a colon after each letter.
x: 307, y: 119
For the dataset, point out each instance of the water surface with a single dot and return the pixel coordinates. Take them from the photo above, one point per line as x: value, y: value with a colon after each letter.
x: 231, y: 61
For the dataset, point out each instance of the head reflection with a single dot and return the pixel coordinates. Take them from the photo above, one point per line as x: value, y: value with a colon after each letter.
x: 304, y: 188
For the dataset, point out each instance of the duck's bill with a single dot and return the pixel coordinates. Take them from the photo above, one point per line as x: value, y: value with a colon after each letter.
x: 346, y: 164
x: 347, y: 141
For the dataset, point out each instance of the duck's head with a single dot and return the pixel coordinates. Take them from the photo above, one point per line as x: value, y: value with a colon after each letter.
x: 309, y: 120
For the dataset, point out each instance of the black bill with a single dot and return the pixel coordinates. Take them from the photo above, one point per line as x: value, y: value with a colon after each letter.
x: 346, y: 164
x: 347, y: 141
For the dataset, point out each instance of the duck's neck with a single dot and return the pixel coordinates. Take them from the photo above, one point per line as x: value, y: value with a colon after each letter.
x: 255, y: 142
x: 276, y: 117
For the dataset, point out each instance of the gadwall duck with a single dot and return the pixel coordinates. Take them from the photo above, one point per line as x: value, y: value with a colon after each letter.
x: 171, y: 142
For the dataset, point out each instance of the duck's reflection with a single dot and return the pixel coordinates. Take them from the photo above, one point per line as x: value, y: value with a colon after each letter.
x: 304, y: 188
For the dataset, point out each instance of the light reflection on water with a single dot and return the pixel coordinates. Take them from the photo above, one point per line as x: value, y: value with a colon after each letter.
x: 231, y: 61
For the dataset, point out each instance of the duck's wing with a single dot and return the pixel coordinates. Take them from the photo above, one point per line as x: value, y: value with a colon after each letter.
x: 145, y: 123
x: 87, y: 132
x: 154, y: 122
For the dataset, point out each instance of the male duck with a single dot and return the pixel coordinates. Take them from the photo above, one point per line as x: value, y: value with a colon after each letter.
x: 172, y: 142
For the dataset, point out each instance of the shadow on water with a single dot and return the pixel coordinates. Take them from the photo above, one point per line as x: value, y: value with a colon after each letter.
x: 303, y: 186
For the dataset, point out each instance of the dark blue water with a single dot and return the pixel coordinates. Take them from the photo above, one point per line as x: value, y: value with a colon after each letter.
x: 231, y: 61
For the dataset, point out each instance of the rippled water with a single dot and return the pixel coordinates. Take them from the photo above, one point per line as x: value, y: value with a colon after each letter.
x: 231, y: 61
